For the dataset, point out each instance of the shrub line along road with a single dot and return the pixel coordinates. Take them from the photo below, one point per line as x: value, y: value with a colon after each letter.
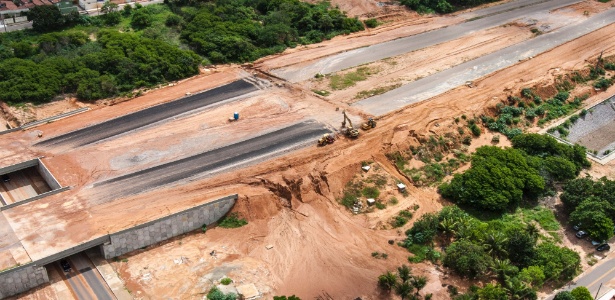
x: 247, y: 151
x: 495, y: 16
x: 441, y: 82
x: 148, y: 116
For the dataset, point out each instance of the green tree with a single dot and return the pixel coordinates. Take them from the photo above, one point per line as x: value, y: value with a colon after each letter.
x: 46, y: 18
x: 595, y: 215
x: 521, y: 248
x: 418, y: 282
x: 141, y: 19
x: 564, y: 295
x: 556, y: 262
x: 387, y: 281
x: 216, y: 294
x: 497, y: 179
x: 532, y: 275
x: 560, y: 168
x: 404, y: 273
x: 577, y: 190
x: 467, y: 258
x: 23, y: 49
x: 581, y: 293
x: 492, y: 292
x: 504, y: 269
x: 403, y: 290
x: 293, y: 297
x: 495, y: 244
x: 111, y: 13
x: 519, y: 290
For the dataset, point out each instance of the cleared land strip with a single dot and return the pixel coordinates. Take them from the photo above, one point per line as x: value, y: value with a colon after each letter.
x: 150, y: 115
x: 349, y: 59
x: 261, y: 147
x: 441, y: 82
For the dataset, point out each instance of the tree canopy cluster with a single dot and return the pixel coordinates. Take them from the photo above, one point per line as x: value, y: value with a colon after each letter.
x: 507, y: 248
x: 69, y: 62
x: 145, y: 46
x: 592, y: 205
x: 442, y: 6
x: 244, y: 30
x: 499, y: 179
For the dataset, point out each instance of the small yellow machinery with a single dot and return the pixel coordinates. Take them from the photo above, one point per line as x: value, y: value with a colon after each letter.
x: 369, y: 125
x: 326, y: 139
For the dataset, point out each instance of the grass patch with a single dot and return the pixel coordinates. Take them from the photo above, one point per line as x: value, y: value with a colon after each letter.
x: 371, y: 192
x: 232, y: 221
x: 422, y: 253
x: 543, y: 216
x: 340, y: 82
x: 377, y: 91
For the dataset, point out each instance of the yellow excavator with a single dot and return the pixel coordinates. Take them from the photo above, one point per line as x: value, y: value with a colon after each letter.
x: 349, y: 130
x: 369, y: 125
x: 326, y: 139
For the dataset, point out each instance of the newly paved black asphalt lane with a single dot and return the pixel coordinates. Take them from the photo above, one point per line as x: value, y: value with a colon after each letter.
x: 149, y: 116
x: 260, y: 147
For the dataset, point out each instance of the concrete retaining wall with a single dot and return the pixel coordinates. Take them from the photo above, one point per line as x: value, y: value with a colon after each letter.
x: 22, y: 279
x: 19, y: 166
x: 51, y: 181
x: 25, y: 277
x: 159, y: 230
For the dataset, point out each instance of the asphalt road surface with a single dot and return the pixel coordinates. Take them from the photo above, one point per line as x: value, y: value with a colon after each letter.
x: 441, y: 82
x: 603, y: 273
x: 113, y: 127
x: 83, y: 280
x: 477, y: 20
x: 235, y: 155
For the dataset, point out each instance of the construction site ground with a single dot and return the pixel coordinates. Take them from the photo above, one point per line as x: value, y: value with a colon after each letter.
x: 299, y: 239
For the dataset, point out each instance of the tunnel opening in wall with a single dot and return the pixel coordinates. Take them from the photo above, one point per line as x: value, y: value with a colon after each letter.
x: 25, y: 182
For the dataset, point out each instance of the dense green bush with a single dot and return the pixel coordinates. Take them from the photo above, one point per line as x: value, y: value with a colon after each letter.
x: 442, y: 6
x: 591, y: 204
x: 497, y: 179
x: 69, y: 62
x: 467, y: 258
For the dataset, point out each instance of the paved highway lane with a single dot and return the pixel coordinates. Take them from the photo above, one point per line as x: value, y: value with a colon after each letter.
x: 441, y: 82
x: 83, y: 280
x: 239, y: 154
x: 495, y: 16
x: 150, y: 115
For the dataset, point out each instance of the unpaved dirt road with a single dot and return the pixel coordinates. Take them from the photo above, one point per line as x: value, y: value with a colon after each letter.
x: 446, y: 80
x: 495, y: 16
x: 264, y: 146
x: 150, y: 115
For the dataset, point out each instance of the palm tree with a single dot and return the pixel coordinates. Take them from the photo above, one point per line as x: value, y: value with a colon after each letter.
x: 404, y: 273
x: 517, y: 289
x: 448, y: 226
x: 503, y: 268
x: 419, y: 282
x: 387, y: 281
x: 532, y: 229
x: 495, y: 244
x: 404, y: 290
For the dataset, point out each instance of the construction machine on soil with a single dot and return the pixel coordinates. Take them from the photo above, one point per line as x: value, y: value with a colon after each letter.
x: 349, y: 130
x: 326, y: 139
x: 369, y: 125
